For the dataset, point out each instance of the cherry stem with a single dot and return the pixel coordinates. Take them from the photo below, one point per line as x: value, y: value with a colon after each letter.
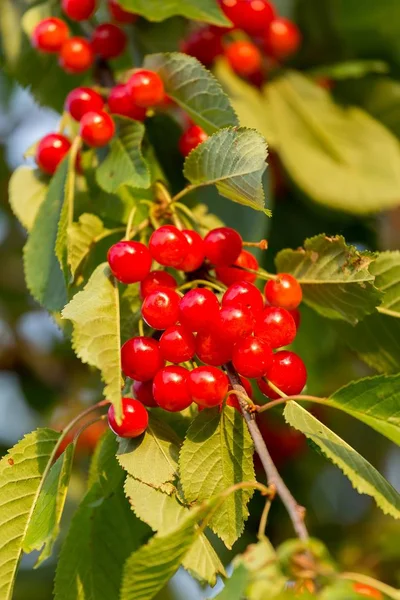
x: 87, y: 425
x: 374, y: 583
x: 141, y: 327
x: 186, y: 210
x: 186, y: 190
x: 286, y: 399
x: 262, y: 244
x: 129, y: 223
x: 197, y: 282
x: 244, y: 397
x: 295, y: 511
x: 264, y: 517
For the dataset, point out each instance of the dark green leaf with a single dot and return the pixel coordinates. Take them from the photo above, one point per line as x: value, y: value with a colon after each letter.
x: 204, y: 10
x: 386, y: 269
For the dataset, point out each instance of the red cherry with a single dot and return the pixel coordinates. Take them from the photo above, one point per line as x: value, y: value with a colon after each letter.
x: 205, y: 44
x: 119, y: 14
x: 168, y: 246
x: 129, y: 261
x: 135, y: 419
x: 49, y: 35
x: 276, y: 326
x: 296, y: 317
x: 233, y: 400
x: 141, y: 358
x: 108, y: 41
x: 50, y: 151
x: 78, y: 10
x: 213, y: 349
x: 252, y: 357
x: 170, y: 389
x: 120, y: 103
x: 367, y: 591
x: 284, y: 291
x: 177, y: 344
x: 76, y: 55
x: 244, y: 57
x: 253, y: 16
x: 195, y: 257
x: 230, y: 275
x: 97, y: 128
x: 146, y: 88
x: 143, y: 391
x: 208, y: 386
x: 82, y: 100
x: 282, y: 38
x: 223, y: 246
x: 288, y: 372
x: 191, y: 138
x: 156, y: 280
x: 236, y: 322
x: 199, y: 309
x: 160, y: 309
x: 246, y: 294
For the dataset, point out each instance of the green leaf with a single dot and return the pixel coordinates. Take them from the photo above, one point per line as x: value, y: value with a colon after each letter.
x: 205, y: 220
x: 363, y: 476
x: 335, y: 278
x: 235, y: 586
x: 21, y: 479
x: 207, y: 11
x: 34, y: 15
x: 124, y: 164
x: 10, y: 30
x: 351, y: 69
x: 131, y: 304
x: 217, y: 453
x: 238, y: 175
x: 27, y: 190
x: 96, y: 338
x: 159, y: 447
x: 265, y: 577
x: 194, y: 88
x: 44, y: 525
x: 43, y: 274
x: 81, y: 237
x: 326, y: 150
x: 386, y: 269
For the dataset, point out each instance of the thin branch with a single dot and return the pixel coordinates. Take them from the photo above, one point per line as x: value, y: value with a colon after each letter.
x: 374, y: 583
x: 295, y: 511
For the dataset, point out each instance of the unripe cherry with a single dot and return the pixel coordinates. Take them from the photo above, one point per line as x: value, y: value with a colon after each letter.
x: 156, y: 280
x: 143, y: 391
x: 97, y: 128
x: 50, y: 151
x: 199, y: 309
x: 223, y: 246
x: 276, y: 326
x: 146, y: 88
x: 191, y: 138
x: 282, y: 38
x: 252, y: 357
x: 76, y: 55
x: 129, y: 261
x: 177, y: 344
x: 170, y: 388
x: 284, y: 291
x: 120, y: 103
x: 78, y: 10
x: 108, y: 41
x: 160, y: 309
x: 168, y: 246
x: 135, y: 419
x: 287, y: 372
x: 244, y: 57
x: 141, y: 358
x: 208, y: 386
x: 195, y: 256
x: 82, y: 100
x: 212, y: 348
x: 233, y: 274
x: 246, y: 294
x: 119, y: 14
x: 49, y: 35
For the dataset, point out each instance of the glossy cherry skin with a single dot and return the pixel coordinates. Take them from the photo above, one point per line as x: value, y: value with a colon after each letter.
x: 252, y: 357
x: 120, y: 103
x: 143, y: 391
x: 129, y: 261
x: 49, y: 35
x: 236, y: 322
x: 160, y: 309
x: 76, y: 55
x: 191, y: 138
x: 284, y: 291
x: 199, y: 309
x: 296, y: 317
x: 170, y: 389
x: 208, y: 386
x: 244, y: 57
x: 246, y: 294
x: 212, y: 348
x: 97, y: 128
x: 141, y: 358
x: 168, y: 246
x: 282, y: 38
x: 135, y: 419
x: 156, y: 280
x: 119, y: 14
x: 233, y: 400
x: 195, y: 257
x: 177, y: 344
x: 108, y: 41
x: 50, y: 151
x: 288, y: 372
x: 253, y: 16
x: 82, y: 100
x: 223, y: 246
x: 78, y: 10
x: 367, y: 591
x: 146, y: 88
x: 205, y: 44
x: 230, y: 275
x: 276, y: 326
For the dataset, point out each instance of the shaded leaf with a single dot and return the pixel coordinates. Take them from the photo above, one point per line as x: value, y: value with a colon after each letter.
x: 386, y: 269
x: 265, y: 579
x: 206, y: 10
x: 27, y: 190
x: 351, y: 69
x: 131, y: 304
x: 81, y: 237
x: 235, y: 586
x: 10, y: 30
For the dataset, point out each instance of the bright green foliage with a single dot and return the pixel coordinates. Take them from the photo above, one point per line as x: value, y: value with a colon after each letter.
x: 81, y: 237
x: 363, y: 476
x: 235, y: 586
x: 335, y: 278
x: 386, y: 269
x: 96, y: 338
x: 27, y: 190
x: 217, y: 453
x: 34, y: 15
x: 44, y: 525
x: 125, y: 164
x: 200, y: 10
x: 238, y: 176
x: 195, y: 90
x: 265, y: 579
x: 350, y: 69
x: 10, y: 30
x: 21, y: 480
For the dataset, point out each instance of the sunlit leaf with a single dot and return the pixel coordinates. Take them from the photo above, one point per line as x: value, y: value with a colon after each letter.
x: 27, y: 190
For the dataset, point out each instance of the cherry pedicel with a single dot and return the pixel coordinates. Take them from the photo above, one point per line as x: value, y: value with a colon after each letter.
x: 205, y: 44
x: 120, y: 103
x: 246, y: 294
x: 160, y: 309
x: 50, y: 151
x: 199, y: 309
x: 134, y: 419
x: 170, y: 388
x: 119, y: 14
x: 282, y: 38
x: 253, y: 16
x: 230, y: 275
x: 244, y: 57
x: 284, y: 291
x: 97, y: 128
x: 223, y: 246
x: 233, y: 400
x: 276, y: 326
x: 287, y: 372
x: 252, y: 357
x: 191, y: 138
x: 213, y: 349
x: 236, y: 322
x: 208, y: 386
x: 82, y: 100
x: 367, y: 591
x: 143, y: 391
x: 141, y: 358
x: 108, y: 41
x: 76, y: 55
x: 146, y: 88
x: 195, y: 256
x: 78, y: 10
x: 156, y: 280
x: 129, y: 261
x: 177, y: 344
x: 168, y: 246
x: 49, y: 35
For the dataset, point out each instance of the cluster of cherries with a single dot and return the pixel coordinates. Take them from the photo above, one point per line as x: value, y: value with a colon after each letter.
x: 240, y: 327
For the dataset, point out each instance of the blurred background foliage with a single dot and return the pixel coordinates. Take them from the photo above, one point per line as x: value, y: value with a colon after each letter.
x: 351, y: 47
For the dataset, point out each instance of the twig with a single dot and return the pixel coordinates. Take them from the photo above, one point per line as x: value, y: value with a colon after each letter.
x: 374, y: 583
